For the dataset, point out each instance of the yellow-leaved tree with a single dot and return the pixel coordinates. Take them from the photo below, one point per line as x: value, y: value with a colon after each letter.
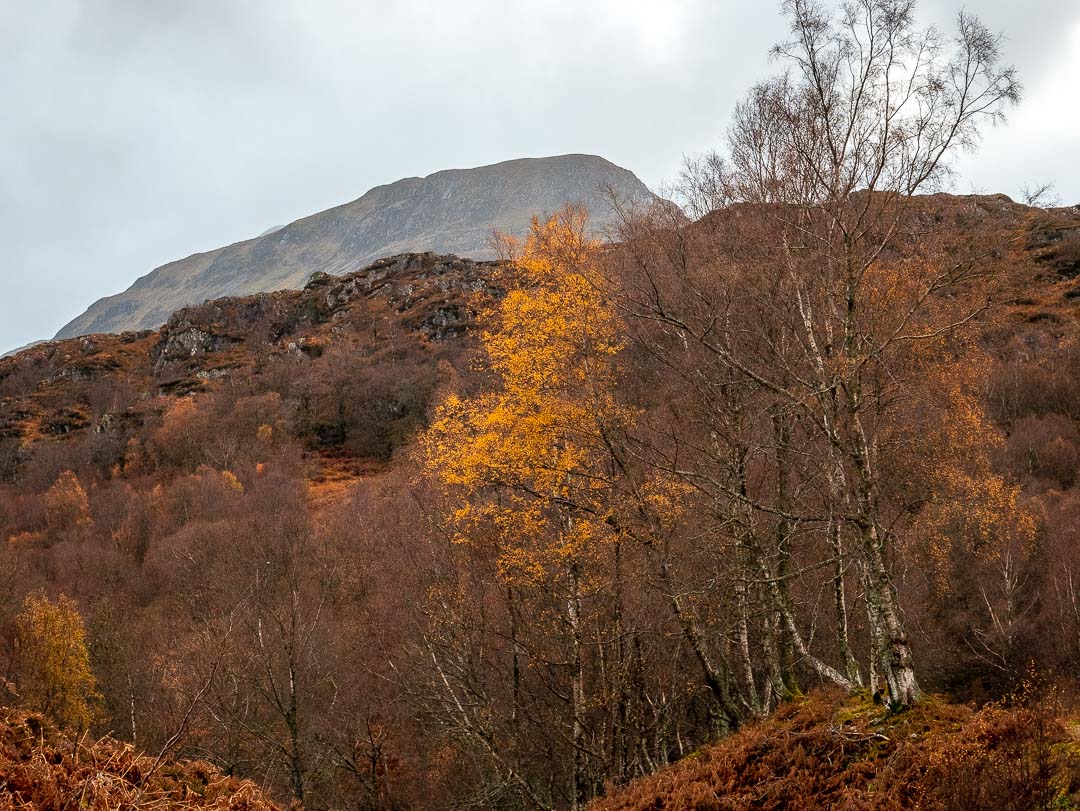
x: 974, y: 510
x: 976, y: 532
x: 528, y: 464
x: 66, y: 504
x: 55, y: 677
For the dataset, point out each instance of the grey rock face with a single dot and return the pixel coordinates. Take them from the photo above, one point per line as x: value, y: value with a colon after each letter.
x: 454, y: 212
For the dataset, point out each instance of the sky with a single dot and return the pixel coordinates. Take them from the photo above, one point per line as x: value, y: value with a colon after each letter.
x: 135, y: 132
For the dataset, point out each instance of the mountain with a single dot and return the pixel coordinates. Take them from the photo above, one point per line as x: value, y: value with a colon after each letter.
x: 453, y: 211
x: 17, y: 350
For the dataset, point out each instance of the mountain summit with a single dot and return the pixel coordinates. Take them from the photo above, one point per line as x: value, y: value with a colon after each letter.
x: 453, y: 211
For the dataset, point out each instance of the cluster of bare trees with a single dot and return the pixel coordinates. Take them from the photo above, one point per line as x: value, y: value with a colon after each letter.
x: 799, y: 347
x: 787, y: 398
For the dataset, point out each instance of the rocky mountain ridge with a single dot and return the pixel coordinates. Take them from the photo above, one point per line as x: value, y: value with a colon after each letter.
x: 453, y: 211
x: 410, y: 305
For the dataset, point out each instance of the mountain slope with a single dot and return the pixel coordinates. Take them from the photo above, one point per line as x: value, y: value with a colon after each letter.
x: 405, y: 313
x: 453, y: 211
x: 284, y: 422
x: 17, y: 350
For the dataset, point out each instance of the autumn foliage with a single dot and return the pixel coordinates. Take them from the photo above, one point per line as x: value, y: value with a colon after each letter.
x: 781, y: 484
x: 830, y: 751
x: 537, y: 434
x: 55, y: 677
x: 43, y: 770
x: 529, y: 463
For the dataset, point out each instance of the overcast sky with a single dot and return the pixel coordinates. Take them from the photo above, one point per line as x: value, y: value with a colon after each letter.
x: 134, y: 132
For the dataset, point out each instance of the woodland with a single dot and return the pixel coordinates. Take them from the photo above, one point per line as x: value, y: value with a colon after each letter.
x: 519, y: 534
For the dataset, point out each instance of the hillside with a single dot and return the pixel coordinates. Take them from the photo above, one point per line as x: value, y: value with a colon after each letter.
x: 521, y: 487
x: 42, y: 769
x: 19, y: 349
x: 241, y: 497
x: 454, y: 211
x: 409, y: 306
x: 830, y: 751
x: 428, y: 297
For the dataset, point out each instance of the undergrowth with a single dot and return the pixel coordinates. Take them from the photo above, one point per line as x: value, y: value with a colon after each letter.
x: 827, y: 750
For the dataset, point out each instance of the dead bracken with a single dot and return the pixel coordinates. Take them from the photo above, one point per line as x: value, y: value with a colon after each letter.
x: 44, y: 770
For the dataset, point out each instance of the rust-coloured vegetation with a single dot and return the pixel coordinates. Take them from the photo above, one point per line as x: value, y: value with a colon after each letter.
x: 828, y: 750
x: 441, y: 533
x: 43, y: 770
x: 361, y: 349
